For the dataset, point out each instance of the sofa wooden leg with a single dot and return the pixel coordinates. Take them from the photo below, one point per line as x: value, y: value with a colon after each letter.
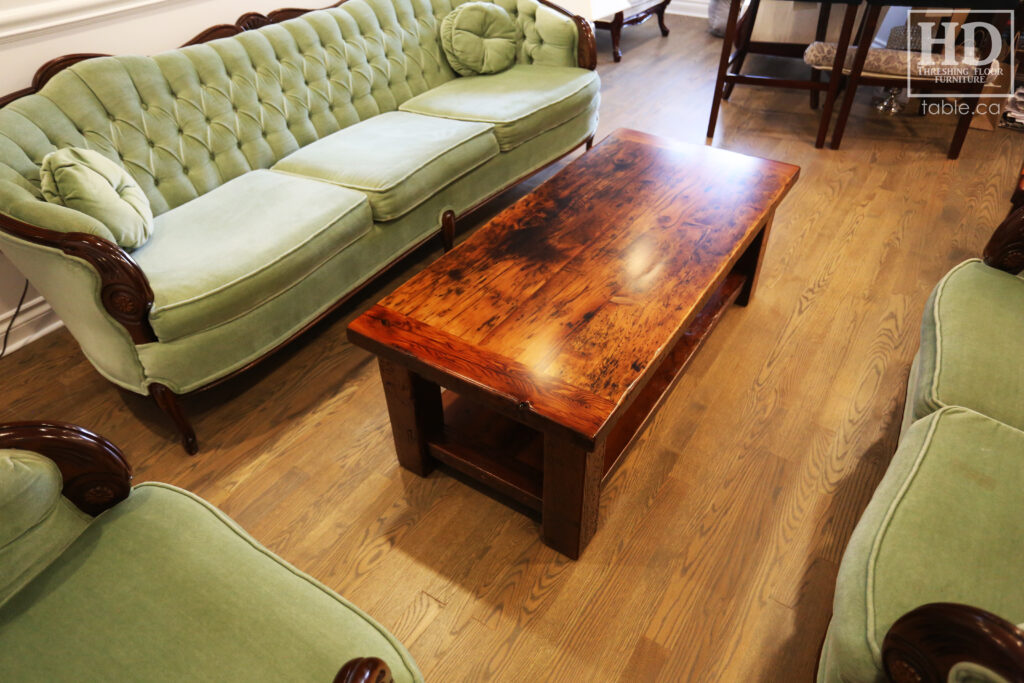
x: 448, y: 230
x: 590, y: 144
x: 168, y: 402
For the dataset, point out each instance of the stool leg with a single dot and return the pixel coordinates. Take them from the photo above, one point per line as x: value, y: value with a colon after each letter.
x: 723, y: 63
x: 820, y: 33
x: 866, y: 35
x: 744, y: 29
x: 835, y: 78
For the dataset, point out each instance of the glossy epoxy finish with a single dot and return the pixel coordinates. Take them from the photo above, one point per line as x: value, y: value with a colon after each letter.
x: 563, y: 301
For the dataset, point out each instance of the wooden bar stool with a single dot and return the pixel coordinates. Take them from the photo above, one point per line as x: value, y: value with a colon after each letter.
x: 866, y: 33
x: 738, y: 33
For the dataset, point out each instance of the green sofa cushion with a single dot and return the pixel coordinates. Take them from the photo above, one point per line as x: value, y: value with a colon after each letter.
x: 87, y: 181
x: 164, y: 587
x: 397, y: 159
x: 479, y: 38
x: 970, y: 344
x: 36, y: 522
x: 944, y: 525
x: 522, y: 102
x: 227, y: 252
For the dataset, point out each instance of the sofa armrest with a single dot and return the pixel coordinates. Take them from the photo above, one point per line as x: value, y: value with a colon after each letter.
x: 124, y: 289
x: 96, y: 474
x: 926, y: 643
x: 364, y: 670
x: 1005, y: 249
x: 586, y: 44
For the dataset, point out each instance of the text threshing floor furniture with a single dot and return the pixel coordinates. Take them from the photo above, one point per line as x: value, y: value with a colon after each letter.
x: 559, y: 325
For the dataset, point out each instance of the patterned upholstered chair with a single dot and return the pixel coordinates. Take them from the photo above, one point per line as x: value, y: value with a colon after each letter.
x: 159, y: 585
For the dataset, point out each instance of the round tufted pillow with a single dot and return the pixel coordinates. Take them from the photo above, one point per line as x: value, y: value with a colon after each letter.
x: 87, y: 181
x: 479, y: 38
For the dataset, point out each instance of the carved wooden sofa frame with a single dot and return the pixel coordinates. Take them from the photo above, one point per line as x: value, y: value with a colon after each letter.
x: 97, y: 477
x: 125, y: 291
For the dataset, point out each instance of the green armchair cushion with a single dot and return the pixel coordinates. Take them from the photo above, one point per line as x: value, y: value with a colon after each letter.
x: 236, y: 247
x: 87, y: 181
x: 36, y: 522
x: 944, y: 525
x: 164, y: 587
x: 970, y: 345
x: 398, y: 160
x: 479, y: 38
x: 521, y: 103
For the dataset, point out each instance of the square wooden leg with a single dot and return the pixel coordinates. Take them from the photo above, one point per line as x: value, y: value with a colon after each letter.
x: 749, y: 264
x: 414, y: 405
x: 571, y: 493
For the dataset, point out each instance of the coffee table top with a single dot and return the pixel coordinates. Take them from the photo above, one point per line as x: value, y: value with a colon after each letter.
x: 560, y: 304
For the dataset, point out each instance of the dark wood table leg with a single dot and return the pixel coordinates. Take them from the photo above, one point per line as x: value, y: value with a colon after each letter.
x: 615, y: 25
x: 571, y: 493
x: 723, y: 63
x: 749, y: 264
x: 414, y: 405
x: 660, y: 11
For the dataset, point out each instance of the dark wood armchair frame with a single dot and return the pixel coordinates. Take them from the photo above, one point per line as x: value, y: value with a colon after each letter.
x: 925, y: 643
x: 97, y: 477
x: 125, y: 291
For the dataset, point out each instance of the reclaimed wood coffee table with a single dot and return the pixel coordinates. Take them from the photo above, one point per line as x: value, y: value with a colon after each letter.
x: 558, y: 326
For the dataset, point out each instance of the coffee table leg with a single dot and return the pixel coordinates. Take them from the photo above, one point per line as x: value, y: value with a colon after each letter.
x: 414, y: 405
x: 572, y: 490
x: 749, y: 263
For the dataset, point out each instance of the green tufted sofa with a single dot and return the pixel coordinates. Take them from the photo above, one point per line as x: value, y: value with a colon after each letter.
x: 287, y: 159
x: 929, y: 588
x: 100, y: 581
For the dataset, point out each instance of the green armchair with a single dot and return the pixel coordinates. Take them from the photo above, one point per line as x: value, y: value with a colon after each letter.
x: 929, y: 588
x: 159, y: 585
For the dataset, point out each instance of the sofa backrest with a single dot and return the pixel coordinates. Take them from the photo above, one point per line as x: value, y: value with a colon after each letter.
x: 186, y: 121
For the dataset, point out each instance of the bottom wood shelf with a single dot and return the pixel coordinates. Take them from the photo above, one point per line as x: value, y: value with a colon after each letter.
x: 508, y: 457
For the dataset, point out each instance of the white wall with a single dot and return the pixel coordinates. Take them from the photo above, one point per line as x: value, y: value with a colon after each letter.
x: 32, y: 33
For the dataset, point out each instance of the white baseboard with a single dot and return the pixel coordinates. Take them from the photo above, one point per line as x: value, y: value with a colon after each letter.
x: 35, y: 320
x: 689, y: 8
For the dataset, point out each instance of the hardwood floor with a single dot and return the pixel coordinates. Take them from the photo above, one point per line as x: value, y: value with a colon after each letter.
x: 721, y: 534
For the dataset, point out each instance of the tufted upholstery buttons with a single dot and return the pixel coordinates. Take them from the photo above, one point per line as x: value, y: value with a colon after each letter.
x: 184, y: 169
x: 239, y: 145
x: 145, y: 107
x: 111, y: 117
x: 208, y: 119
x: 212, y: 156
x: 181, y: 131
x: 151, y: 143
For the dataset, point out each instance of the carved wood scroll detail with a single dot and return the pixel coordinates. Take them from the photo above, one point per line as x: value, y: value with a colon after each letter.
x: 925, y: 643
x: 124, y: 289
x: 96, y: 474
x: 1005, y: 249
x: 364, y: 670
